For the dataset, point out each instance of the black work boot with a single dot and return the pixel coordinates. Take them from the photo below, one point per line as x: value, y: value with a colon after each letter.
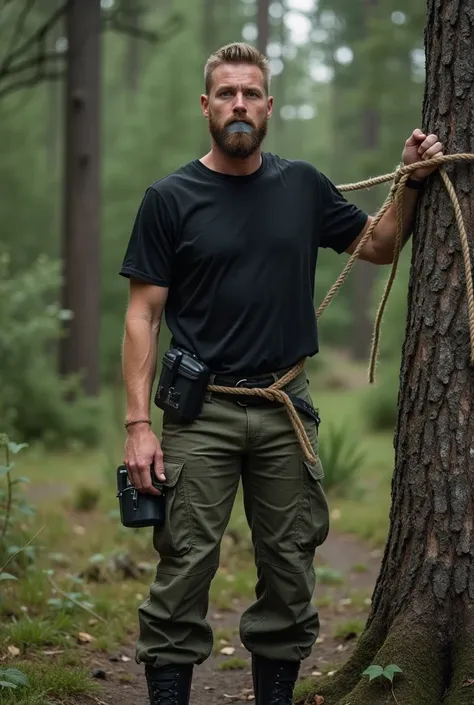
x: 274, y: 681
x: 169, y: 685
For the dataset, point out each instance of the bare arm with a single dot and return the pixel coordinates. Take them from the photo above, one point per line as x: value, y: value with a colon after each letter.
x: 380, y: 248
x: 142, y: 325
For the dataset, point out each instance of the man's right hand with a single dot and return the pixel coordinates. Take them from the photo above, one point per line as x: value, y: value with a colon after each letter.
x: 143, y: 454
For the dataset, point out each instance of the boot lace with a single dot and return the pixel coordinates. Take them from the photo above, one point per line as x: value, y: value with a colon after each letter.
x: 164, y: 693
x: 282, y: 693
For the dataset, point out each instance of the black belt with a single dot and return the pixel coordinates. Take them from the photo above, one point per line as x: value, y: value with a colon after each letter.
x: 261, y: 382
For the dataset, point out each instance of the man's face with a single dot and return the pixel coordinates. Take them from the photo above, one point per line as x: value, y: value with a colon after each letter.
x: 237, y: 94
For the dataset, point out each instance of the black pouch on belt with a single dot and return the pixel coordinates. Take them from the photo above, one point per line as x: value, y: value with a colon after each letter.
x: 182, y: 385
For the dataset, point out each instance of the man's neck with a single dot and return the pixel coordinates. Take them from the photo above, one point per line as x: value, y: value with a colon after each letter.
x: 222, y: 163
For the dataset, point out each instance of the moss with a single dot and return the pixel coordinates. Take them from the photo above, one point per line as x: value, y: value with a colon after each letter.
x: 422, y: 680
x: 346, y: 678
x: 413, y: 650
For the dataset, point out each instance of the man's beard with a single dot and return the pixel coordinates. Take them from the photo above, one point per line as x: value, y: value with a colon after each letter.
x: 238, y: 144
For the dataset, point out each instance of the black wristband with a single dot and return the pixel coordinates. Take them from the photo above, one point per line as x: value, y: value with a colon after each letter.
x: 414, y: 184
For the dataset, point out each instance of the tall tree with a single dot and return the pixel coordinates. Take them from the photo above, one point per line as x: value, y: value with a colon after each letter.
x: 262, y: 25
x: 422, y: 616
x: 81, y: 249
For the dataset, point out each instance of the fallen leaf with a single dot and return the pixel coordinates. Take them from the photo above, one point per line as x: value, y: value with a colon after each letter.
x: 319, y: 700
x: 227, y: 651
x: 85, y: 638
x: 79, y: 530
x: 13, y: 650
x: 125, y: 658
x: 91, y: 622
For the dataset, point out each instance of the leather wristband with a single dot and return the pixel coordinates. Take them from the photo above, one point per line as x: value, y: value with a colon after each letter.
x: 133, y: 423
x: 414, y: 184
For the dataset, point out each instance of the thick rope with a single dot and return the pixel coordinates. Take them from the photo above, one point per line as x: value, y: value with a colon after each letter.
x: 399, y: 177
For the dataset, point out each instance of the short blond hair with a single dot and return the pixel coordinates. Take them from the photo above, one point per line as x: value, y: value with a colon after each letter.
x: 237, y: 53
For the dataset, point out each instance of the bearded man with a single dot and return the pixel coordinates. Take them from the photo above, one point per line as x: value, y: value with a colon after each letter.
x: 227, y: 248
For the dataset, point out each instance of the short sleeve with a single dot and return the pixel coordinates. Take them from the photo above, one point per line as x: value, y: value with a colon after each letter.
x: 342, y: 221
x: 150, y: 251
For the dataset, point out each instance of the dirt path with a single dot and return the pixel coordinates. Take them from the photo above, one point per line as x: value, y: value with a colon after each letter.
x: 339, y: 603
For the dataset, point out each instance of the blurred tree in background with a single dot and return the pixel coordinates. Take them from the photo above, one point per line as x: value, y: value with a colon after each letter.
x: 347, y: 80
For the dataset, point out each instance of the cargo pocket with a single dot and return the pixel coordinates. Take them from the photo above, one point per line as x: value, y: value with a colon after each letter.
x: 175, y: 537
x: 312, y: 521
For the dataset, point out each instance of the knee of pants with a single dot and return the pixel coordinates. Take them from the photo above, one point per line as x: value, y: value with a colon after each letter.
x: 294, y: 550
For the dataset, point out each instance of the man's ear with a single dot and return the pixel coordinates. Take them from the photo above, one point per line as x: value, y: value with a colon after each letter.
x: 205, y: 105
x: 270, y: 106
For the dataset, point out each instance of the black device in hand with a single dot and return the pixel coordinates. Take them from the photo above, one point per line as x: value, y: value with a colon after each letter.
x: 139, y: 509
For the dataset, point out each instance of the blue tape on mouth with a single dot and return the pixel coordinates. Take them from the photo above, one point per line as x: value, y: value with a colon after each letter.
x: 239, y: 127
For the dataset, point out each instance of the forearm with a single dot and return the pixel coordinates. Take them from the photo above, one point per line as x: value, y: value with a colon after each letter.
x: 139, y: 364
x: 385, y: 234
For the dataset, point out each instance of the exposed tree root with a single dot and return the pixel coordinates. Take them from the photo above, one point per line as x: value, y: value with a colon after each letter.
x: 417, y: 651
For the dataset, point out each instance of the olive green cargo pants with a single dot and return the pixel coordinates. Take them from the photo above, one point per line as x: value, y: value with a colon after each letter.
x: 286, y: 510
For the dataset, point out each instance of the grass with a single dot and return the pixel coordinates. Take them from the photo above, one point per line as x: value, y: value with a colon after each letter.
x: 349, y: 629
x: 82, y: 541
x: 233, y: 664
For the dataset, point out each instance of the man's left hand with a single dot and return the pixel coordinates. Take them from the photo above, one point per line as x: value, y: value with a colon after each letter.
x: 420, y: 146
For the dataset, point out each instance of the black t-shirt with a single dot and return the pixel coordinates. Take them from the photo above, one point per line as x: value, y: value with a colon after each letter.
x: 239, y: 254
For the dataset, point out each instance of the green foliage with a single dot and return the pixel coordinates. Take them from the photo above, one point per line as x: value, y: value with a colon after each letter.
x: 376, y: 671
x: 341, y: 456
x: 233, y: 664
x: 86, y: 498
x: 12, y: 678
x: 379, y: 403
x: 13, y: 510
x: 350, y: 629
x: 35, y: 402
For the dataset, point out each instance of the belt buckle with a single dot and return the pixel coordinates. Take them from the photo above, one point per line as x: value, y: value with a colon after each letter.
x: 239, y: 384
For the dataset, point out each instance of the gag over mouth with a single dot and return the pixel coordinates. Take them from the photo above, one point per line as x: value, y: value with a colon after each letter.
x: 239, y: 126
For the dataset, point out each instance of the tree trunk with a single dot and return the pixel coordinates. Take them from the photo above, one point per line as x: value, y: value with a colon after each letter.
x: 262, y: 25
x: 79, y: 351
x: 364, y: 273
x: 422, y: 616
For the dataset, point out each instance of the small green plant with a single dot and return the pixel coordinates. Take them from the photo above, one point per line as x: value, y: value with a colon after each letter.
x: 341, y: 457
x: 375, y: 671
x: 12, y: 678
x: 12, y: 509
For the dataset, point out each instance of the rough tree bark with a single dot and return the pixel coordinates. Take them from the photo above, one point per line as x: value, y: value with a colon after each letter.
x: 79, y: 351
x: 422, y: 616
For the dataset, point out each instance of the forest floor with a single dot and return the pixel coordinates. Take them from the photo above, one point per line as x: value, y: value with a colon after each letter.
x: 343, y: 609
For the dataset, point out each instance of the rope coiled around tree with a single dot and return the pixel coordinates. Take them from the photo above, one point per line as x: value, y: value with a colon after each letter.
x: 399, y: 177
